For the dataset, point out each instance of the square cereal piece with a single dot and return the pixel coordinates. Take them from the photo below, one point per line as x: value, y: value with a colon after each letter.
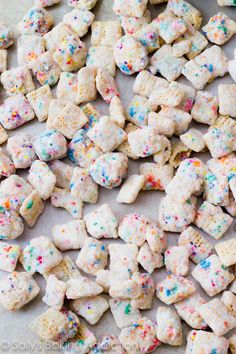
x: 220, y: 28
x: 83, y: 187
x: 9, y: 255
x: 206, y: 342
x: 227, y: 99
x: 165, y: 63
x: 3, y: 60
x: 226, y: 251
x: 84, y: 340
x: 205, y: 108
x: 212, y: 275
x: 127, y: 289
x: 42, y: 179
x: 29, y: 47
x: 144, y: 301
x: 145, y: 83
x: 55, y: 325
x: 169, y: 328
x: 55, y: 293
x: 101, y: 57
x: 133, y: 228
x: 62, y: 198
x: 174, y: 288
x: 124, y: 314
x: 17, y: 80
x: 6, y: 36
x: 189, y: 96
x: 39, y: 100
x: 106, y: 134
x: 129, y: 7
x: 106, y: 85
x: 54, y: 110
x: 40, y: 255
x: 212, y: 220
x: 169, y: 26
x: 63, y: 173
x: 188, y: 310
x: 36, y: 21
x: 148, y: 36
x: 193, y: 139
x: 142, y: 334
x: 148, y: 259
x: 82, y: 287
x: 86, y: 86
x: 228, y: 299
x: 70, y: 119
x: 70, y: 54
x: 188, y: 12
x: 164, y: 126
x: 15, y: 111
x: 199, y: 248
x: 125, y: 147
x: 138, y: 111
x: 57, y: 35
x: 123, y: 258
x: 64, y: 271
x: 131, y: 24
x: 69, y: 236
x: 90, y: 308
x: 50, y: 145
x: 218, y: 318
x: 177, y: 260
x: 11, y: 225
x: 198, y: 42
x: 166, y: 96
x: 45, y: 69
x: 21, y: 150
x: 198, y: 75
x: 101, y: 222
x: 130, y: 189
x: 105, y: 33
x: 79, y: 21
x: 182, y: 47
x: 156, y: 177
x: 31, y: 208
x: 156, y: 238
x: 93, y: 256
x: 82, y: 4
x: 117, y: 112
x: 16, y: 290
x: 67, y: 87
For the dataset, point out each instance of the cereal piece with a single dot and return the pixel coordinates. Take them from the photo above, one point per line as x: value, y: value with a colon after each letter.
x: 142, y: 334
x: 32, y: 208
x: 212, y: 275
x: 86, y: 88
x: 168, y: 96
x: 199, y: 248
x: 17, y: 80
x: 36, y: 21
x: 220, y: 28
x: 64, y: 271
x: 212, y: 220
x: 9, y: 255
x: 124, y: 314
x: 198, y: 75
x: 67, y: 86
x: 62, y: 198
x: 7, y: 167
x: 130, y: 189
x: 84, y: 340
x: 176, y: 260
x: 54, y: 110
x: 21, y: 150
x: 42, y: 179
x: 145, y: 83
x: 69, y: 236
x: 55, y: 292
x: 56, y: 326
x: 57, y: 35
x: 45, y: 69
x: 117, y: 112
x: 149, y: 260
x: 193, y: 139
x: 3, y: 60
x: 63, y: 173
x: 6, y: 36
x: 165, y: 63
x: 188, y: 310
x: 109, y: 169
x: 82, y: 287
x: 198, y: 42
x: 189, y: 96
x: 50, y: 145
x: 82, y: 4
x: 217, y: 317
x: 123, y: 258
x: 107, y: 278
x: 11, y: 225
x: 128, y: 289
x: 164, y: 126
x: 29, y: 47
x: 130, y: 55
x: 101, y: 57
x: 188, y: 12
x: 219, y: 141
x: 216, y: 190
x: 125, y: 146
x: 106, y: 85
x: 205, y: 108
x: 232, y: 340
x: 79, y: 21
x: 133, y: 227
x: 181, y: 48
x: 132, y: 24
x: 17, y: 289
x: 144, y: 301
x: 227, y: 94
x: 39, y: 100
x: 174, y: 288
x: 90, y: 308
x: 83, y: 187
x: 169, y: 26
x: 156, y: 177
x: 148, y: 36
x: 156, y: 238
x: 206, y: 342
x: 176, y: 217
x: 129, y: 8
x: 169, y: 328
x: 105, y: 33
x: 82, y: 151
x: 40, y: 255
x: 226, y: 251
x: 145, y: 141
x: 138, y: 110
x: 178, y: 116
x: 228, y: 299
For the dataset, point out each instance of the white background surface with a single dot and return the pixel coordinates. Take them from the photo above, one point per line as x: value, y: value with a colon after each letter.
x: 14, y: 326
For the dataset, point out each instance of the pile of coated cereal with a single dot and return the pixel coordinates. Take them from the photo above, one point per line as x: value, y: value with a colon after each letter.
x: 161, y: 111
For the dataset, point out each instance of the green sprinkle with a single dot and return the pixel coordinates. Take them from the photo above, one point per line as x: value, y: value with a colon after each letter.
x: 30, y: 204
x: 127, y: 309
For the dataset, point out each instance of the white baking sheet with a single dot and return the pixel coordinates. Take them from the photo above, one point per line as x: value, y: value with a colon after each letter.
x: 15, y: 337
